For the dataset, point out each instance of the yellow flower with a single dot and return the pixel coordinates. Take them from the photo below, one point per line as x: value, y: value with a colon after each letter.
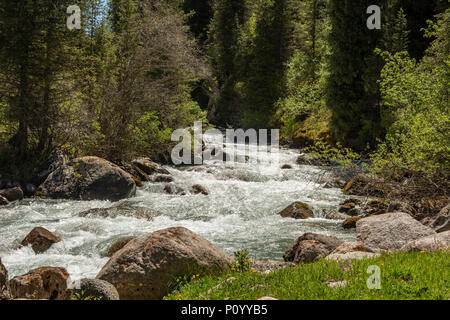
x: 389, y: 252
x: 422, y: 251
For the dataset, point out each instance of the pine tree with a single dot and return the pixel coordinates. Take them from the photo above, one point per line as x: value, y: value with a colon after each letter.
x: 352, y: 93
x: 37, y: 56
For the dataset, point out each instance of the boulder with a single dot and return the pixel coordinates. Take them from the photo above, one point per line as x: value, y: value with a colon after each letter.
x: 390, y: 231
x: 124, y: 209
x: 350, y: 223
x: 442, y: 221
x: 171, y: 188
x: 3, y: 201
x: 333, y: 215
x: 310, y: 247
x: 347, y: 207
x: 198, y: 189
x: 4, y: 287
x: 43, y: 283
x: 149, y: 167
x: 40, y: 239
x: 297, y: 210
x: 286, y: 166
x: 351, y: 251
x: 119, y: 244
x: 436, y: 242
x: 148, y: 266
x: 88, y: 178
x: 95, y: 288
x: 163, y: 178
x: 12, y: 194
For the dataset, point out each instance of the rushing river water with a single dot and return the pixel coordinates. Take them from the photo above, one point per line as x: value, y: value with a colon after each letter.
x: 241, y: 211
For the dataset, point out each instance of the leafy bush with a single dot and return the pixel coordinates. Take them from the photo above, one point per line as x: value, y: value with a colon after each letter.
x: 416, y: 111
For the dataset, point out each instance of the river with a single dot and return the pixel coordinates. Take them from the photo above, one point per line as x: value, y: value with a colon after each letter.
x: 240, y: 212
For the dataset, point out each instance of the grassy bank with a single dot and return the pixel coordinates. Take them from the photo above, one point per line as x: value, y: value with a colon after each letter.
x: 403, y: 276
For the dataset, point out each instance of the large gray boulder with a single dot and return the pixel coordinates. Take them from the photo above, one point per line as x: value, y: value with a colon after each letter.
x: 4, y: 287
x: 93, y: 288
x: 88, y: 178
x: 390, y: 231
x: 148, y: 267
x: 435, y: 242
x: 311, y: 247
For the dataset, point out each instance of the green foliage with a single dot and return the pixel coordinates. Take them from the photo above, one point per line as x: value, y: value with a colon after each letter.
x: 241, y: 261
x: 404, y: 276
x: 415, y: 110
x: 81, y: 295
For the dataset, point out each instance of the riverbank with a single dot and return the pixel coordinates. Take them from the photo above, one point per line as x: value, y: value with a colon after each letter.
x: 412, y: 275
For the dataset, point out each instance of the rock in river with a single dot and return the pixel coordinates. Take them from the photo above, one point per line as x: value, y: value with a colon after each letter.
x: 40, y: 239
x: 88, y: 178
x: 148, y: 266
x: 297, y: 210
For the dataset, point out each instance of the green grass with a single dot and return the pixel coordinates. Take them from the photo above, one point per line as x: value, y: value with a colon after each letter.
x: 403, y: 276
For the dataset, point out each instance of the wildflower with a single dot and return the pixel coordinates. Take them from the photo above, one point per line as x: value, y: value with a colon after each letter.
x: 389, y: 252
x: 422, y: 251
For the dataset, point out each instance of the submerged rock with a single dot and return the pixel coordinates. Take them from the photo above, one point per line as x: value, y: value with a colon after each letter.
x: 163, y: 178
x: 171, y: 188
x: 43, y: 283
x: 311, y: 247
x: 198, y: 189
x: 40, y: 239
x: 390, y: 231
x: 124, y: 209
x: 89, y: 178
x: 297, y: 210
x: 148, y: 266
